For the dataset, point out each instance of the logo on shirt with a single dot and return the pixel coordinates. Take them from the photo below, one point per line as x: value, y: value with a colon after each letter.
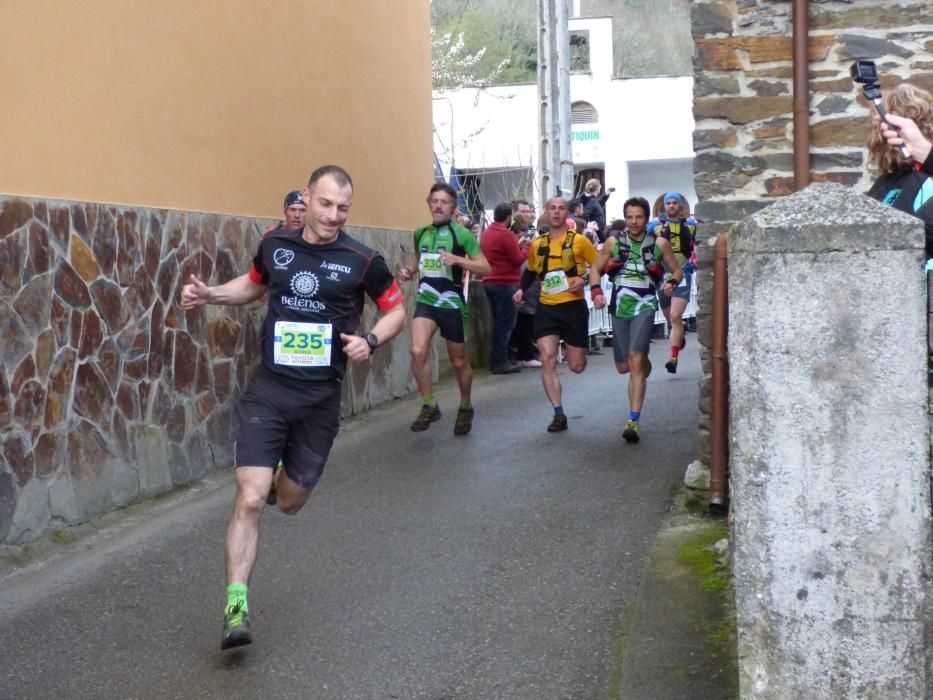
x: 282, y: 257
x: 305, y: 284
x: 334, y: 268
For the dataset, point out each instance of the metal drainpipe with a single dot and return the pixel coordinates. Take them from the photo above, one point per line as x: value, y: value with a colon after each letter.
x: 801, y: 96
x: 719, y: 397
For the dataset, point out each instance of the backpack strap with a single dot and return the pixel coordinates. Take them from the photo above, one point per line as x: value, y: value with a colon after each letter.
x: 543, y: 252
x: 567, y: 260
x: 685, y: 235
x: 652, y: 264
x: 625, y: 248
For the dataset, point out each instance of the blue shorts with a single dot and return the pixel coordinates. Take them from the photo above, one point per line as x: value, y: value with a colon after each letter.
x: 680, y: 292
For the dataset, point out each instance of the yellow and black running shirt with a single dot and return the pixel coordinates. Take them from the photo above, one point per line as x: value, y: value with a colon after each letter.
x: 584, y: 253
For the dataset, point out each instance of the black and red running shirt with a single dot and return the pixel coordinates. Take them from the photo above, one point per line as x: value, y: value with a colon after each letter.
x: 317, y: 284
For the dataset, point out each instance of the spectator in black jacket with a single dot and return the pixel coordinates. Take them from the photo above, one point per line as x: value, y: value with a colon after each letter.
x: 594, y: 206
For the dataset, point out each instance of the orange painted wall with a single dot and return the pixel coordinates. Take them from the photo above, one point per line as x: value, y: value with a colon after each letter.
x: 217, y: 106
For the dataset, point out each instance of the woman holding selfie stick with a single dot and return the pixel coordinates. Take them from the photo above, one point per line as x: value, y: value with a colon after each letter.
x: 902, y: 184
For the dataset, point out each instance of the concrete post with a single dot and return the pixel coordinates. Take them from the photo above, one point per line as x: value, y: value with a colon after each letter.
x: 547, y: 64
x: 830, y: 454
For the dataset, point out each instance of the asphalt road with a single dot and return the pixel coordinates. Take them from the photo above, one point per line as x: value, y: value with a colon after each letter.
x: 499, y: 565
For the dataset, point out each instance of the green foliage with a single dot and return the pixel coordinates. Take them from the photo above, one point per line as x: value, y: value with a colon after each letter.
x: 483, y: 42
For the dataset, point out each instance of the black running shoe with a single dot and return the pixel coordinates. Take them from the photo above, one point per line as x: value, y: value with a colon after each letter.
x: 683, y: 342
x: 236, y: 628
x: 464, y: 422
x: 558, y: 423
x: 631, y: 431
x: 671, y: 365
x: 428, y: 415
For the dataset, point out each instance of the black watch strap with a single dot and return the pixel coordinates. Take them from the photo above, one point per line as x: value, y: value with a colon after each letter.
x: 372, y: 340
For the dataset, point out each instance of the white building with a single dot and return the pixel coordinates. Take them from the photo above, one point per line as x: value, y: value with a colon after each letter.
x: 632, y: 134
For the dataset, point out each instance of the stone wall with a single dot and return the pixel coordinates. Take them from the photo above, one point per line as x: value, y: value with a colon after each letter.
x: 109, y: 392
x: 743, y: 105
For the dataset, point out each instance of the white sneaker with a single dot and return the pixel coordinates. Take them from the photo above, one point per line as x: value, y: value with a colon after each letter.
x: 531, y: 363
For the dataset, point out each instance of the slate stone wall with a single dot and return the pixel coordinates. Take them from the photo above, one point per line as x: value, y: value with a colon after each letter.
x: 109, y: 392
x: 743, y: 105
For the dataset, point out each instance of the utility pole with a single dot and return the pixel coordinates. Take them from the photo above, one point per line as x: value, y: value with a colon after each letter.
x: 554, y: 156
x: 544, y: 101
x: 562, y: 43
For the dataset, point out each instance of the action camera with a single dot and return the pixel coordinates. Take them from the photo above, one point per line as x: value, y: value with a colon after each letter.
x: 866, y: 74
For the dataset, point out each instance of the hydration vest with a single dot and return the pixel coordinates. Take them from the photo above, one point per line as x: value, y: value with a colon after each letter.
x: 568, y: 262
x: 680, y: 243
x: 652, y: 264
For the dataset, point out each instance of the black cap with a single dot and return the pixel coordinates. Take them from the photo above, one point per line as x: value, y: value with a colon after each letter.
x: 293, y: 197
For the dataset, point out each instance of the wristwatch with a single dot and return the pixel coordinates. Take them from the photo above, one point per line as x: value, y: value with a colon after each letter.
x: 372, y: 341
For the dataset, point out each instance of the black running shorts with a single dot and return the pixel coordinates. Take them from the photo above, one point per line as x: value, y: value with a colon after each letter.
x: 288, y: 420
x: 569, y: 320
x: 450, y: 322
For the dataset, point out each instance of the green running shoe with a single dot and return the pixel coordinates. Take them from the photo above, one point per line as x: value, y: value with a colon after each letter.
x: 236, y: 628
x: 631, y: 431
x: 464, y: 422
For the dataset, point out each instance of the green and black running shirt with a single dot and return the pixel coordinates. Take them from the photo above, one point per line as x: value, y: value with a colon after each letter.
x: 634, y: 289
x: 442, y: 285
